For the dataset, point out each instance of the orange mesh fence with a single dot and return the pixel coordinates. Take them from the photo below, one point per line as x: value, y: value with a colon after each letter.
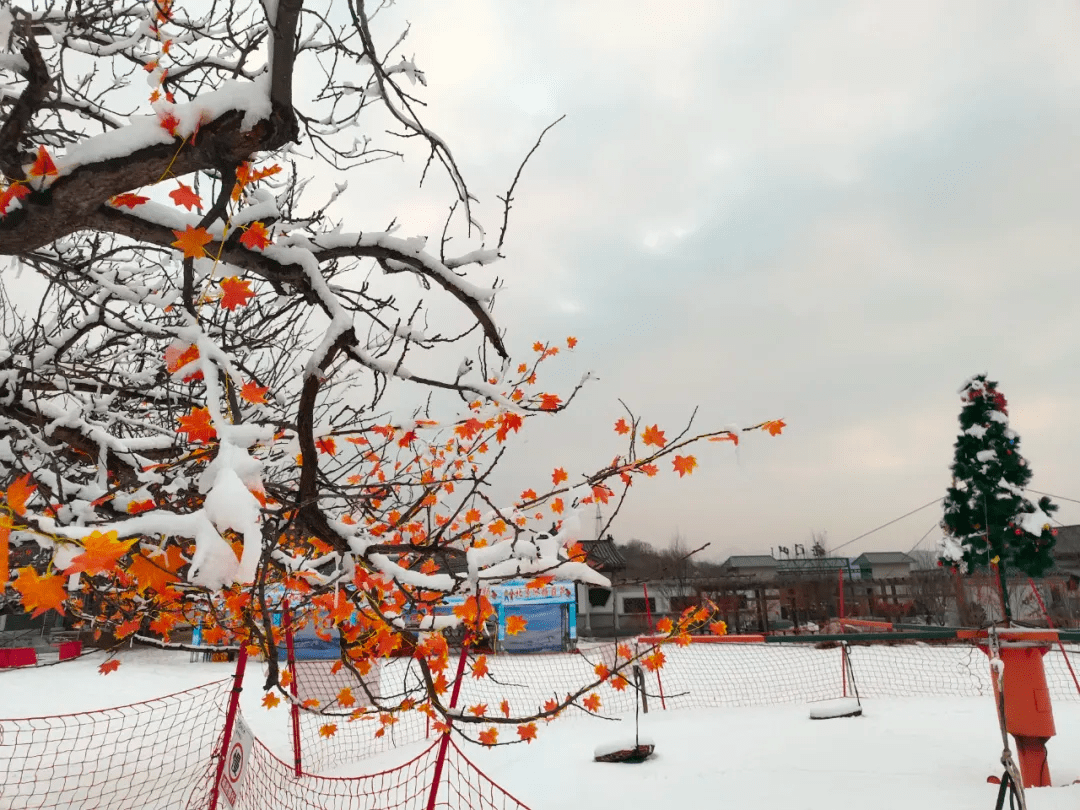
x: 151, y: 755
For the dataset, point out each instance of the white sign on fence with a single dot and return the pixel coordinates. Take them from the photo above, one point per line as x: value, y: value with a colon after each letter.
x: 236, y: 758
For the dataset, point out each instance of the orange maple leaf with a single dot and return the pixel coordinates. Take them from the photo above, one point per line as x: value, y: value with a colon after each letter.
x: 43, y: 165
x: 192, y: 242
x: 664, y: 626
x: 19, y: 493
x: 539, y: 347
x: 237, y: 292
x: 178, y: 355
x: 270, y: 700
x: 592, y: 702
x: 255, y: 236
x: 602, y: 672
x: 345, y: 697
x: 558, y: 476
x: 557, y: 506
x: 536, y: 583
x: 571, y: 342
x: 549, y: 402
x: 138, y: 507
x: 653, y: 435
x: 285, y: 677
x: 254, y: 393
x: 718, y: 628
x: 128, y: 200
x: 774, y: 427
x: 478, y: 710
x: 185, y: 196
x: 527, y: 732
x: 40, y: 594
x: 515, y: 625
x: 197, y: 425
x: 684, y: 465
x: 480, y: 668
x: 5, y: 534
x: 621, y: 427
x: 328, y: 730
x: 149, y: 574
x: 504, y: 707
x: 326, y: 445
x: 489, y: 736
x: 528, y: 495
x: 619, y: 683
x: 101, y: 554
x: 125, y: 629
x: 109, y: 666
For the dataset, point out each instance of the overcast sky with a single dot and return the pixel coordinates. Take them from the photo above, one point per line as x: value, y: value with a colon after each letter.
x: 830, y: 213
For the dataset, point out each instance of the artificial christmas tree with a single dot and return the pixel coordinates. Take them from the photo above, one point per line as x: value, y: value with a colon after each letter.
x: 989, y: 523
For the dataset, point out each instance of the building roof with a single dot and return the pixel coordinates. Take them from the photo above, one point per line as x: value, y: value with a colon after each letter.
x: 799, y: 565
x: 884, y: 558
x: 750, y: 561
x: 1068, y: 542
x: 603, y: 554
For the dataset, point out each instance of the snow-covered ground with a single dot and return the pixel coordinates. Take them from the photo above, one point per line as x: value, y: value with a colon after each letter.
x: 932, y: 752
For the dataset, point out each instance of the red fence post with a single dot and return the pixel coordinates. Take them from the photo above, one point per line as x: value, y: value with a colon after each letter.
x: 294, y: 708
x: 230, y: 719
x: 648, y: 617
x: 445, y: 741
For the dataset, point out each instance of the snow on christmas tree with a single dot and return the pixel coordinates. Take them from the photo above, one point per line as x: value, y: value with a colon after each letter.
x: 988, y: 520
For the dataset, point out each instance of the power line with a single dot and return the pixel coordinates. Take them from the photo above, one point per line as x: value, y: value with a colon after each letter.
x: 890, y: 523
x: 932, y: 527
x: 1049, y: 495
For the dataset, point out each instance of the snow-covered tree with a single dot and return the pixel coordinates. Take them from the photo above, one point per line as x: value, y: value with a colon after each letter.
x: 988, y: 518
x: 198, y: 338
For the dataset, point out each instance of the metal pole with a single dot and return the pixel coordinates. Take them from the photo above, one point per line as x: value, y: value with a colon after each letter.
x: 1050, y: 624
x: 230, y: 719
x: 294, y: 708
x: 843, y: 647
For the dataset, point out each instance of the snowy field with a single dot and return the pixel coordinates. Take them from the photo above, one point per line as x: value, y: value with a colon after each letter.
x: 932, y: 752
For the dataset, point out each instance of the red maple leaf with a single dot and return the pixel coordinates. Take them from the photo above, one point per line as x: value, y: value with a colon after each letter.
x: 253, y: 392
x: 255, y: 236
x: 185, y: 196
x: 684, y: 465
x: 16, y: 191
x: 43, y: 165
x: 527, y: 732
x: 549, y: 402
x: 237, y: 292
x: 197, y: 425
x: 592, y: 702
x: 128, y: 200
x: 621, y: 427
x: 111, y: 665
x: 489, y: 736
x: 558, y: 476
x: 169, y: 123
x: 327, y: 445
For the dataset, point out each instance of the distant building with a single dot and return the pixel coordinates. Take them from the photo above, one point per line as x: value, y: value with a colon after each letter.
x: 758, y: 567
x: 884, y: 564
x: 1067, y: 551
